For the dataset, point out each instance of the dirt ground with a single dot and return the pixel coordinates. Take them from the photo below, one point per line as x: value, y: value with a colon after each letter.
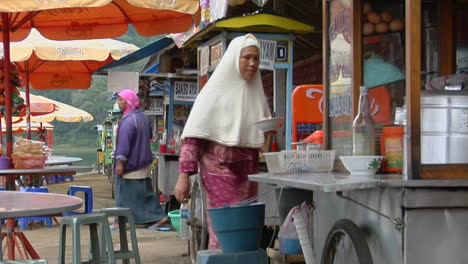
x: 155, y: 246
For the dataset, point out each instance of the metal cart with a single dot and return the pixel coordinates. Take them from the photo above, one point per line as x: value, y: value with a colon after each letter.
x: 383, y: 220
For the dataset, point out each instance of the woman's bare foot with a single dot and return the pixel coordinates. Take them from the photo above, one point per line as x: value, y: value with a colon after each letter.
x: 160, y: 223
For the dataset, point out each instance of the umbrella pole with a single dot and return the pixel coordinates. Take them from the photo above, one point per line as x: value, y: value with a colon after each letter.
x: 7, y: 82
x: 28, y: 102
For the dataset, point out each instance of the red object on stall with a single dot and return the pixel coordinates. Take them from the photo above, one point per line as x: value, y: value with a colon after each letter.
x: 307, y: 103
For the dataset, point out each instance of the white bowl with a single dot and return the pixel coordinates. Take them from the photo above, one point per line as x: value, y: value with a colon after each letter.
x: 270, y: 124
x: 362, y: 165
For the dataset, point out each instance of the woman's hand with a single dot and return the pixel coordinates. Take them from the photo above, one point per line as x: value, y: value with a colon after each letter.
x: 119, y: 168
x: 182, y: 187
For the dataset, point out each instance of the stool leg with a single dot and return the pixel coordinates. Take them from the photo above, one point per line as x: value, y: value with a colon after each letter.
x: 123, y: 237
x: 133, y: 237
x: 96, y: 256
x: 62, y: 243
x: 107, y: 237
x: 76, y: 236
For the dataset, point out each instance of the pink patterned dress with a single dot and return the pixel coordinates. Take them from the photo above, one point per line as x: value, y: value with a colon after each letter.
x: 224, y: 173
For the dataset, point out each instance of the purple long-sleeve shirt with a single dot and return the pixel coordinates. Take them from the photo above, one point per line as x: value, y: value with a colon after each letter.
x: 133, y: 141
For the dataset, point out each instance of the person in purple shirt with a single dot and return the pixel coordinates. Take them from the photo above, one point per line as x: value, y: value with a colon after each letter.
x: 132, y: 166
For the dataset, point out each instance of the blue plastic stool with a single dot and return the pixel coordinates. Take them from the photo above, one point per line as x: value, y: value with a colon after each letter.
x: 88, y: 192
x: 23, y: 221
x: 218, y: 257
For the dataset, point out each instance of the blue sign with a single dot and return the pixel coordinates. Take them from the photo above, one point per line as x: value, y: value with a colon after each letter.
x: 281, y: 53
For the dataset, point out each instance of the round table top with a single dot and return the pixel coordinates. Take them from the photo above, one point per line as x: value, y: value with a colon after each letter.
x: 23, y: 204
x: 61, y: 160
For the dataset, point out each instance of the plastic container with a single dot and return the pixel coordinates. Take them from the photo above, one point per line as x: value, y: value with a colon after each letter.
x: 29, y: 162
x: 391, y: 145
x: 4, y: 162
x: 238, y: 228
x: 175, y: 219
x: 289, y: 246
x: 291, y: 161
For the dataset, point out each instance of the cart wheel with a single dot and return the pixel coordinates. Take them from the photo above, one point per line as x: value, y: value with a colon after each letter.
x: 345, y: 244
x: 198, y: 220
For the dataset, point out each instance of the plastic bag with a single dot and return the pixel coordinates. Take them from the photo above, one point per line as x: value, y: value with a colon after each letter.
x: 288, y: 229
x: 288, y: 237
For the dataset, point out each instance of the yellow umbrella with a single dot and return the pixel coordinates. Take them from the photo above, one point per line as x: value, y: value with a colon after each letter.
x: 21, y: 126
x: 63, y: 112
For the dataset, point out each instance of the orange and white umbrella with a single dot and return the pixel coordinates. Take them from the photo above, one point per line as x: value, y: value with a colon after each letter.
x: 52, y: 64
x: 88, y: 19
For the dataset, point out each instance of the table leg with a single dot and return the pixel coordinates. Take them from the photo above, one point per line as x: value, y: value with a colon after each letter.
x: 18, y: 241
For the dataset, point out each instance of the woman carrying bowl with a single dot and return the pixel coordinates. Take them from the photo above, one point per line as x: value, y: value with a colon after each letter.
x: 220, y: 138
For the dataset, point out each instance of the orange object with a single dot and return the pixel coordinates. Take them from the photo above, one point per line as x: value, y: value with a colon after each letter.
x: 306, y: 106
x: 315, y: 138
x: 379, y: 99
x: 391, y: 145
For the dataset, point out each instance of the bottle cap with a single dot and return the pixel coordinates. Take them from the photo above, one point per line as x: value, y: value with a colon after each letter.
x: 363, y: 90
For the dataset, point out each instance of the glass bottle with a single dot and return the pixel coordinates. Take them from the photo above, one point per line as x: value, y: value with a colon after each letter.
x: 363, y: 127
x: 171, y: 145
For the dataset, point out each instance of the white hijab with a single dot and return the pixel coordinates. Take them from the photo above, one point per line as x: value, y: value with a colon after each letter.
x: 228, y: 106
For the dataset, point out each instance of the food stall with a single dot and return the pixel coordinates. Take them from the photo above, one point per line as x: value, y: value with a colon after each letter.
x: 169, y: 107
x: 415, y: 72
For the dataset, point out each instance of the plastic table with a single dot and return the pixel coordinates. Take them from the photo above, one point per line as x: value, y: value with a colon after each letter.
x: 24, y: 204
x: 61, y: 160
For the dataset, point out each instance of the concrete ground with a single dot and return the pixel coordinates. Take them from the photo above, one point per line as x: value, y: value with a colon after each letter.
x: 155, y: 246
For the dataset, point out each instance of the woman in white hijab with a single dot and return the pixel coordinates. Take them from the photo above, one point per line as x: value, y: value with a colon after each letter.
x: 220, y: 138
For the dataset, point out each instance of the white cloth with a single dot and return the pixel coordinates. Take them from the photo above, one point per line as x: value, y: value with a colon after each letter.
x: 228, y: 106
x: 138, y: 174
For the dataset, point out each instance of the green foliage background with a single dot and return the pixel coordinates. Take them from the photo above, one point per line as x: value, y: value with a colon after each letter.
x: 93, y: 100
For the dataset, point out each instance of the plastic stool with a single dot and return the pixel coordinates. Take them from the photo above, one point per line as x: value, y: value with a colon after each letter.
x: 33, y: 261
x: 98, y: 246
x: 124, y: 216
x: 88, y: 191
x: 23, y: 221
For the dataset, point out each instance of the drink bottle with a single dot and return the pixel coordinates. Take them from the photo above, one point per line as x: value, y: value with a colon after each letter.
x: 363, y: 127
x: 184, y: 230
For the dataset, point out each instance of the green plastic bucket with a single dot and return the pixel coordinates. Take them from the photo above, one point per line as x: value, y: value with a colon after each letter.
x: 175, y: 219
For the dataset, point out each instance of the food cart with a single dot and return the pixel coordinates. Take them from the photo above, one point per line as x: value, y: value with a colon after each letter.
x: 418, y: 216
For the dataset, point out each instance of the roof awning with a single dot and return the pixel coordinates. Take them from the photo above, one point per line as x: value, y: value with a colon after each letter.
x: 255, y: 23
x: 140, y: 54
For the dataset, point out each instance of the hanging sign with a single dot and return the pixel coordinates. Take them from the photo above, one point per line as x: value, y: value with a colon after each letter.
x: 268, y: 54
x: 185, y: 91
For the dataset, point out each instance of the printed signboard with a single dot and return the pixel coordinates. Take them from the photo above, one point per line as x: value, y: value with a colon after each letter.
x: 185, y: 91
x: 267, y: 57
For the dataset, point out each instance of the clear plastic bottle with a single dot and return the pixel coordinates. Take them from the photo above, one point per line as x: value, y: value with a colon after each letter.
x: 363, y: 127
x: 184, y: 230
